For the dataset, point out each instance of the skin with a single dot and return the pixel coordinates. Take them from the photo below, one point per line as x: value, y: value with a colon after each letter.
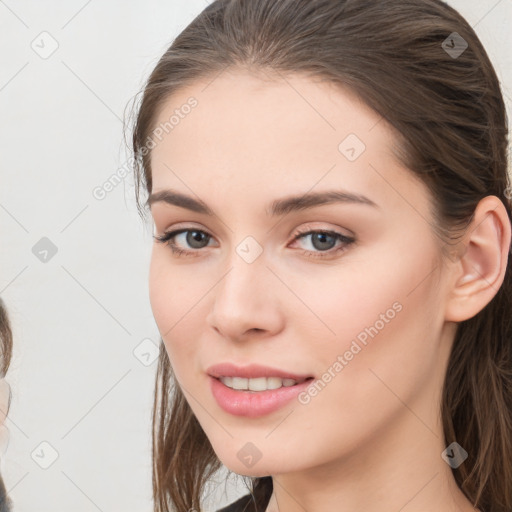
x: 372, y: 438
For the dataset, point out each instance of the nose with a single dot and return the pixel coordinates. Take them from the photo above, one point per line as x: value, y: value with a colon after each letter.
x: 245, y: 301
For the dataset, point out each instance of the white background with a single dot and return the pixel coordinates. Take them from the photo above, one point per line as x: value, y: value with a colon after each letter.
x: 78, y: 317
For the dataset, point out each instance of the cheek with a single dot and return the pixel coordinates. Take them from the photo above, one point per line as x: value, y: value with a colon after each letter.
x: 387, y: 321
x: 159, y: 282
x: 382, y: 294
x: 176, y: 296
x: 169, y: 289
x: 346, y: 301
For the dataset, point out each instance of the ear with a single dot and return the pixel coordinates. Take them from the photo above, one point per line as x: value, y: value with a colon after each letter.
x: 479, y: 272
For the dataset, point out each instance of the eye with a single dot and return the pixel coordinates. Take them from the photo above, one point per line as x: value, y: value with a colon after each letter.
x: 194, y: 237
x: 322, y: 241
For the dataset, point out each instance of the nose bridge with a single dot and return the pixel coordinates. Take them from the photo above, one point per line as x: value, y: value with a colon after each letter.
x: 242, y: 299
x: 246, y: 269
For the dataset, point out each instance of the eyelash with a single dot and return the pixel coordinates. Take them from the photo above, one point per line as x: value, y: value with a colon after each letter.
x: 167, y: 238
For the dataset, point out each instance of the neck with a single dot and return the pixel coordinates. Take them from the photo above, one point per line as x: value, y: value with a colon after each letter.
x: 399, y: 469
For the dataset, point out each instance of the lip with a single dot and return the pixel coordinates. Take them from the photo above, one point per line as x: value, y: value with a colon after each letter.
x: 253, y: 404
x: 252, y: 371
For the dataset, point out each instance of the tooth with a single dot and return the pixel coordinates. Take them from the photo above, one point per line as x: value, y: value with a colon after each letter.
x: 258, y: 384
x: 240, y: 383
x: 274, y: 382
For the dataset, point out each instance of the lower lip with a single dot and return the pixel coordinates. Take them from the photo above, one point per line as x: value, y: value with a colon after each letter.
x: 254, y: 403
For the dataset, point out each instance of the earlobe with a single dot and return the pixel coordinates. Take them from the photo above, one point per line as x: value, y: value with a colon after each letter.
x: 480, y: 271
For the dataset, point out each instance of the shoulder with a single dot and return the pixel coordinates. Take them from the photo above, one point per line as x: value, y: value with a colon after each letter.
x: 243, y: 504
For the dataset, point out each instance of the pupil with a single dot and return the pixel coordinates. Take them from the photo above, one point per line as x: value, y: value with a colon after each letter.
x: 194, y: 236
x: 321, y: 238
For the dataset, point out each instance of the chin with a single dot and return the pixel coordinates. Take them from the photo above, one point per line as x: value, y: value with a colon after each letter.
x: 260, y: 469
x: 250, y: 472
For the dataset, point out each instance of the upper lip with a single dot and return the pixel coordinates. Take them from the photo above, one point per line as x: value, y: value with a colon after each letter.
x: 252, y: 371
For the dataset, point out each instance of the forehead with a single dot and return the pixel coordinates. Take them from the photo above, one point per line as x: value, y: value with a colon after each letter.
x: 247, y: 130
x: 240, y: 99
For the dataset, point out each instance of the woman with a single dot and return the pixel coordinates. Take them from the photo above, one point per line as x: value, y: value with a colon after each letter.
x: 330, y: 275
x: 5, y: 395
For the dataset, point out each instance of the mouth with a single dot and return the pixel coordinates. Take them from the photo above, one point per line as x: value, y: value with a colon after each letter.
x: 255, y: 397
x: 259, y: 384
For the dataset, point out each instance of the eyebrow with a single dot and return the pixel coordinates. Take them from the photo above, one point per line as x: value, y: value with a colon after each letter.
x: 279, y: 207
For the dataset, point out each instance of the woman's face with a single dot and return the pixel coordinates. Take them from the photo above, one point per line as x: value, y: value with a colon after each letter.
x: 363, y: 315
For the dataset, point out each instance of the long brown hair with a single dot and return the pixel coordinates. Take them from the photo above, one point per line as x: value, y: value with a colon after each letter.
x: 444, y: 103
x: 5, y: 361
x: 5, y: 340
